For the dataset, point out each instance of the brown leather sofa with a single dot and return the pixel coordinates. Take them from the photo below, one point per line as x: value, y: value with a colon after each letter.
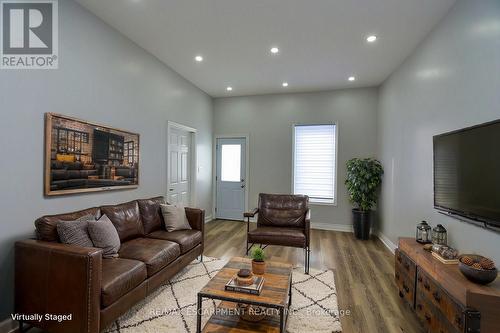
x: 56, y: 278
x: 284, y: 220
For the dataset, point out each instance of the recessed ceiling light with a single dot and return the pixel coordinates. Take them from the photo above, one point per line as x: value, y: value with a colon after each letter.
x: 371, y: 38
x: 229, y: 88
x: 198, y: 58
x: 352, y: 78
x: 285, y: 84
x: 274, y: 50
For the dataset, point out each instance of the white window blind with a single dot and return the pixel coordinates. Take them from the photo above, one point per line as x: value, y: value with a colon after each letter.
x: 314, y: 162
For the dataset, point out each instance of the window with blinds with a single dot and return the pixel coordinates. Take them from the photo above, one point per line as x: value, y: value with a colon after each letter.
x: 314, y: 162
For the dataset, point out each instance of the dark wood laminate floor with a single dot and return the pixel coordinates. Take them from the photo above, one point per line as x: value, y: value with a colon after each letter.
x: 364, y: 273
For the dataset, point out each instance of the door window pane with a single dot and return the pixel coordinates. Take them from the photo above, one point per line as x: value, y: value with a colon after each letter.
x: 230, y: 163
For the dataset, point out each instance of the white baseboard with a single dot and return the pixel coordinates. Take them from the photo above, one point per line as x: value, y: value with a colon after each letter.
x: 349, y: 228
x: 339, y: 227
x: 331, y: 226
x: 387, y: 242
x: 208, y: 218
x: 8, y: 326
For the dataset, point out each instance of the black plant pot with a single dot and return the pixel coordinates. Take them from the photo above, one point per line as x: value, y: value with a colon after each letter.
x: 361, y: 223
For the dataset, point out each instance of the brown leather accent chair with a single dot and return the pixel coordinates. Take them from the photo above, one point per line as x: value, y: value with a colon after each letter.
x: 284, y: 220
x: 56, y: 278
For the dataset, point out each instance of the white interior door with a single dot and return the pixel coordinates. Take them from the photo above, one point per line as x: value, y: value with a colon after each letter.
x: 230, y: 178
x: 179, y: 167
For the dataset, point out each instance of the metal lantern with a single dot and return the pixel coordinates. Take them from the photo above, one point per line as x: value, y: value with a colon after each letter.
x: 423, y: 234
x: 439, y: 235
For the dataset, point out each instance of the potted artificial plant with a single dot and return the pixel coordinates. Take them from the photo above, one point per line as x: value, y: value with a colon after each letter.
x: 258, y: 263
x: 364, y: 176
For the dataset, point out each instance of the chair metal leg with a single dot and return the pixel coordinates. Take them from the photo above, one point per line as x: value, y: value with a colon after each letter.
x: 248, y: 230
x: 307, y: 260
x: 249, y: 247
x: 201, y: 257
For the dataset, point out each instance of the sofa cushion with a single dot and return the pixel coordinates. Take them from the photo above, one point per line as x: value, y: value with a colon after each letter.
x: 46, y: 226
x: 74, y: 174
x: 59, y: 174
x: 278, y: 236
x: 119, y: 276
x: 282, y: 210
x: 76, y: 182
x: 87, y: 173
x: 104, y: 236
x: 54, y: 164
x: 58, y: 184
x: 126, y: 172
x: 65, y: 158
x: 73, y: 165
x: 155, y: 253
x: 152, y: 218
x: 76, y: 232
x: 126, y: 218
x: 187, y: 239
x: 174, y: 217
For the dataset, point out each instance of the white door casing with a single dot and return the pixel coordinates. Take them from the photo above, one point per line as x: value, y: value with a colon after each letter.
x: 231, y: 179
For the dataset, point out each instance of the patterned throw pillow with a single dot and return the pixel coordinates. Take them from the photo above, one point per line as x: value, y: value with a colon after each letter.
x: 75, y: 232
x: 174, y: 217
x: 104, y: 236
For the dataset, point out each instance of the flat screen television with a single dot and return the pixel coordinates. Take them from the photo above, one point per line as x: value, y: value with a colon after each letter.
x: 467, y: 173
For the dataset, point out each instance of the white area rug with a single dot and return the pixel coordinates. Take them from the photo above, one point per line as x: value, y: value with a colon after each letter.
x: 172, y: 308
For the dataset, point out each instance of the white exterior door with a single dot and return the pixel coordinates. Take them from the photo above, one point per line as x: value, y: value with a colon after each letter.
x: 179, y: 166
x: 230, y: 178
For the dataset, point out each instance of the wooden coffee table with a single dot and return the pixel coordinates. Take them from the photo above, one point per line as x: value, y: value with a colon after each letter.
x: 276, y: 294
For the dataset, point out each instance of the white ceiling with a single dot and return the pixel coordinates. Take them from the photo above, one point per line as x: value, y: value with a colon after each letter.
x: 321, y: 42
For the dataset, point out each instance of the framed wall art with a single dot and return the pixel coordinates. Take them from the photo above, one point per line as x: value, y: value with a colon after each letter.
x: 82, y: 156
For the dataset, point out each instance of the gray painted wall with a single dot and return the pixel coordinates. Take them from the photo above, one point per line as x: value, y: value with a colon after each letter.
x: 103, y: 77
x: 268, y: 120
x: 451, y: 81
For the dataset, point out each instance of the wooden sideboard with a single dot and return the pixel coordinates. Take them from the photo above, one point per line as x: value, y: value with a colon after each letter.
x: 443, y: 299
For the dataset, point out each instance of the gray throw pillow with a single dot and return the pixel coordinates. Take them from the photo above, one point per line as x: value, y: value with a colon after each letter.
x: 75, y: 232
x: 104, y: 236
x: 174, y: 217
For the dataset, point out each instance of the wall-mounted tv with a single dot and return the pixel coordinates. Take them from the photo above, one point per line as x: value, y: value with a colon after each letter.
x: 467, y: 173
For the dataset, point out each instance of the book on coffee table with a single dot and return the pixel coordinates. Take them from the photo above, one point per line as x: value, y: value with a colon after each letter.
x: 255, y: 288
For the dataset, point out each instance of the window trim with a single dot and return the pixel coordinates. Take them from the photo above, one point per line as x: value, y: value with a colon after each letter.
x: 335, y: 182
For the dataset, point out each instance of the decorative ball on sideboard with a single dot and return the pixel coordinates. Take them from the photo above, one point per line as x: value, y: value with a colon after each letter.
x: 486, y: 263
x: 467, y: 260
x: 476, y: 265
